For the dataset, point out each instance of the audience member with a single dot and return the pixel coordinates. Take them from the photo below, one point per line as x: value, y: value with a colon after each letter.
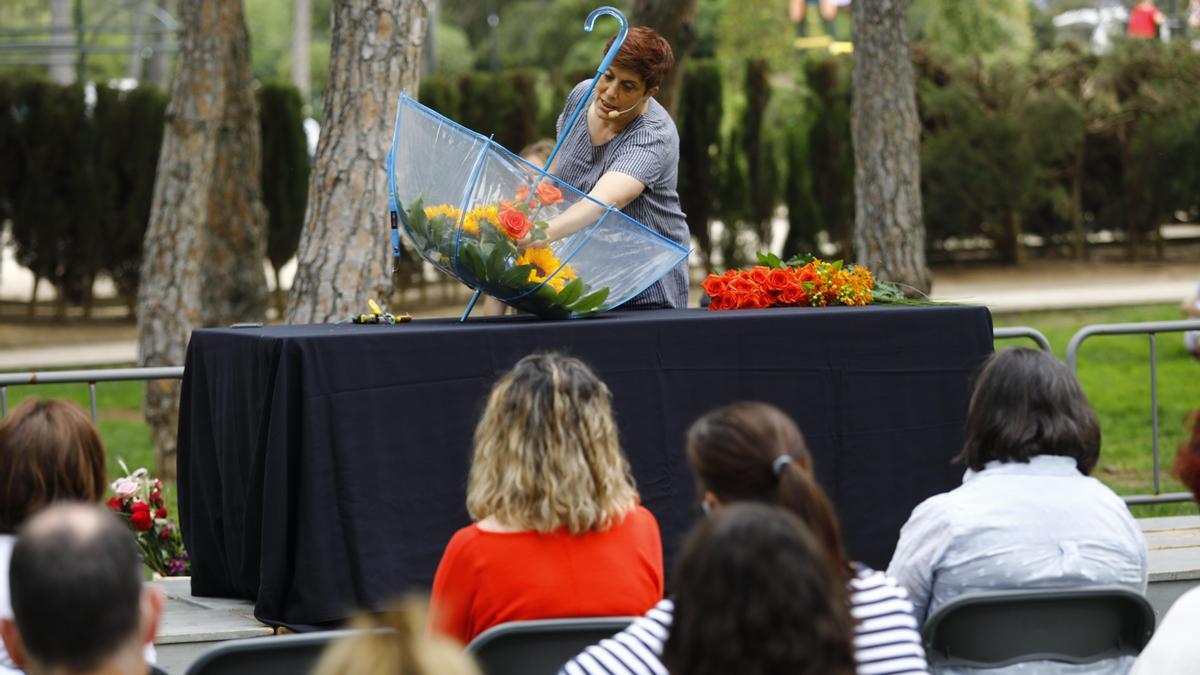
x: 1174, y: 649
x: 396, y: 642
x: 559, y: 531
x: 755, y: 594
x: 77, y: 596
x: 537, y: 152
x: 49, y: 452
x: 1027, y: 514
x: 753, y: 452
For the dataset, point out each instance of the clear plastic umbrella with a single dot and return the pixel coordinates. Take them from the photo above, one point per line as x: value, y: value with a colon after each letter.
x: 479, y: 213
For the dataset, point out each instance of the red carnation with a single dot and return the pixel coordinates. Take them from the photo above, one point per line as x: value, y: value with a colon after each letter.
x: 140, y: 506
x: 115, y: 504
x: 156, y: 498
x: 165, y: 533
x: 141, y: 520
x: 161, y: 513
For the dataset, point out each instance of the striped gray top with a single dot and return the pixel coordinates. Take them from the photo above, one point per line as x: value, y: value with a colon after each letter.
x: 648, y: 150
x: 886, y: 639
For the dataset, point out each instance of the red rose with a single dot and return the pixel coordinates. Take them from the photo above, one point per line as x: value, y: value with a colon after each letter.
x: 161, y: 513
x: 714, y: 285
x: 140, y: 506
x: 514, y: 223
x: 548, y: 194
x: 778, y: 279
x: 156, y: 498
x: 166, y: 533
x: 141, y: 520
x: 115, y: 504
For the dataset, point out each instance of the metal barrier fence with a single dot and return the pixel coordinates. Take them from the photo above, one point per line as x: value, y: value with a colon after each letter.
x: 1022, y: 332
x: 90, y: 377
x: 1151, y: 329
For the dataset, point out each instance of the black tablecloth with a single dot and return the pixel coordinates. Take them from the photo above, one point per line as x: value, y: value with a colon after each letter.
x: 323, y: 468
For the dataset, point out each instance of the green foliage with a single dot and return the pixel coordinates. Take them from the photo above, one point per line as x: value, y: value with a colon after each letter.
x: 504, y: 105
x: 761, y: 168
x: 453, y: 50
x: 699, y: 111
x: 828, y: 198
x: 754, y: 29
x: 129, y: 134
x: 441, y: 92
x: 284, y: 169
x: 546, y: 34
x: 53, y: 214
x: 993, y: 29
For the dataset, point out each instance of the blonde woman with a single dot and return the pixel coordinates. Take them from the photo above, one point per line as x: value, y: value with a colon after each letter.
x: 558, y: 529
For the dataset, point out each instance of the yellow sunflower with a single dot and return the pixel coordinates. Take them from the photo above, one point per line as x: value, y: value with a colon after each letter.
x: 544, y: 263
x: 451, y: 212
x: 489, y: 213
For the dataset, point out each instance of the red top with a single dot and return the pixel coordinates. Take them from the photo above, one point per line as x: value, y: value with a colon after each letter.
x: 488, y: 578
x: 1141, y: 22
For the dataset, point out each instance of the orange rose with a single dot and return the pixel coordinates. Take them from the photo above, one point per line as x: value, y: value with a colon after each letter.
x: 522, y: 195
x: 758, y: 274
x: 548, y: 194
x: 793, y: 295
x: 714, y: 285
x: 778, y: 279
x: 514, y: 223
x: 742, y: 284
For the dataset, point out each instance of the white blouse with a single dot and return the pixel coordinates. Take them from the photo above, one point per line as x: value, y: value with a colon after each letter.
x: 1014, y: 525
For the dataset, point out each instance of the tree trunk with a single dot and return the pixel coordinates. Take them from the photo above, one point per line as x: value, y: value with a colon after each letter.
x: 62, y: 63
x: 889, y: 232
x: 345, y: 249
x: 280, y: 298
x: 37, y: 281
x: 207, y: 233
x: 1016, y: 249
x: 675, y: 20
x: 301, y: 36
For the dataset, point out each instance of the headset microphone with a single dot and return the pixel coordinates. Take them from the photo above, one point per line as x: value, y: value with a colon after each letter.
x: 614, y: 114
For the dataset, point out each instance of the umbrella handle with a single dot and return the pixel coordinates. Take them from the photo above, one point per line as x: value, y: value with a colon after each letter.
x: 604, y: 64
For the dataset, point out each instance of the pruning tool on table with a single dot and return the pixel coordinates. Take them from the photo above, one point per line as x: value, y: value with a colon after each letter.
x: 377, y: 315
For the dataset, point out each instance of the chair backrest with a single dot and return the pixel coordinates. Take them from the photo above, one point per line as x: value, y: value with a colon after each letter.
x: 1072, y: 625
x: 279, y: 654
x: 537, y: 647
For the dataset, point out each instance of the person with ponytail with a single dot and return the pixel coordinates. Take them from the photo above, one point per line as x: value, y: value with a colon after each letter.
x: 753, y: 452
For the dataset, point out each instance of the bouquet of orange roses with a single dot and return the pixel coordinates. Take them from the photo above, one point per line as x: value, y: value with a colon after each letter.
x: 139, y: 502
x: 799, y: 282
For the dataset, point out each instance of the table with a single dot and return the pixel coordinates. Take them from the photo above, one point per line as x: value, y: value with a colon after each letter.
x: 323, y: 468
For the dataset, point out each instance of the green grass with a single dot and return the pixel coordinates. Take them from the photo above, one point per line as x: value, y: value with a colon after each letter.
x: 1115, y: 374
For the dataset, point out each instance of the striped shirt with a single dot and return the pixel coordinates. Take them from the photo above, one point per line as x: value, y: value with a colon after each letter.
x: 648, y: 150
x: 886, y: 639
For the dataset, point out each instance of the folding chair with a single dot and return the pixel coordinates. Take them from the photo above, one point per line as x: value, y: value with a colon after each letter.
x: 1071, y: 625
x: 275, y: 655
x: 539, y: 647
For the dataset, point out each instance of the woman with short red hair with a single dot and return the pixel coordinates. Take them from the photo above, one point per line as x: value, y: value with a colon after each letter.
x: 1174, y: 649
x: 627, y: 155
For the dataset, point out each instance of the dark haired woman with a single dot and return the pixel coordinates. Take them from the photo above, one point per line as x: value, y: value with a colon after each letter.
x: 1174, y: 649
x: 1027, y: 514
x: 49, y: 452
x: 627, y: 155
x: 753, y: 452
x: 756, y: 595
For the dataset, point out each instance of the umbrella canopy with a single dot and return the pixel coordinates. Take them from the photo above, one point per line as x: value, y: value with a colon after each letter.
x: 478, y: 213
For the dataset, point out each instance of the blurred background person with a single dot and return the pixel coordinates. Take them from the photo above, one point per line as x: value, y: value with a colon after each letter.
x: 396, y: 642
x: 1145, y: 20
